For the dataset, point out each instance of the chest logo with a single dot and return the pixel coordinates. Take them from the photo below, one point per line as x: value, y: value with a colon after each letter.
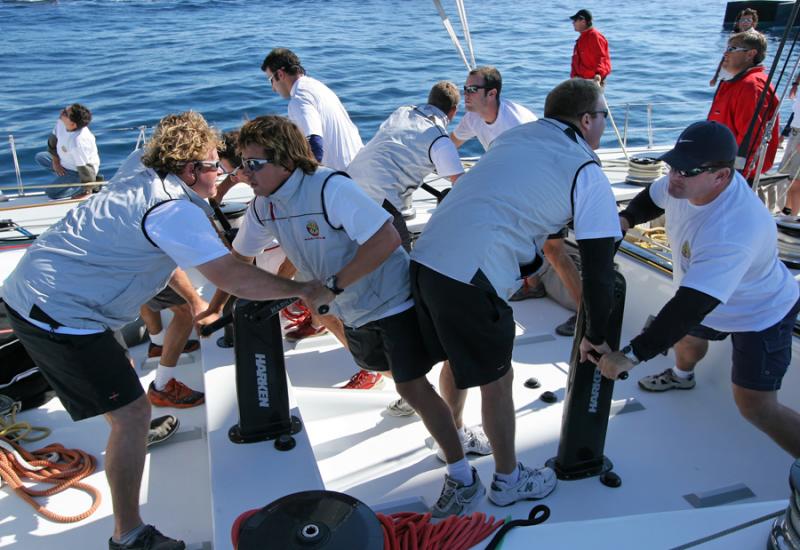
x: 686, y: 252
x: 312, y: 228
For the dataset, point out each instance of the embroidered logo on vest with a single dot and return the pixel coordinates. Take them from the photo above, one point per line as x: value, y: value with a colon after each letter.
x: 313, y: 230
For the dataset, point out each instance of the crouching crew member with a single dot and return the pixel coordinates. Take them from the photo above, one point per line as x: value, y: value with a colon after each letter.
x: 88, y: 274
x: 729, y: 279
x: 332, y: 231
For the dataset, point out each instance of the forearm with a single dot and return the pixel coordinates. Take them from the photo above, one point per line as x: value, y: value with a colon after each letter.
x: 181, y: 284
x: 370, y: 255
x: 683, y: 312
x: 52, y: 145
x: 566, y: 269
x: 641, y: 209
x: 223, y: 188
x: 597, y: 259
x: 457, y: 142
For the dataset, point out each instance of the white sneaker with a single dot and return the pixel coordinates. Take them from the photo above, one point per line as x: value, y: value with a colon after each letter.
x: 533, y: 483
x: 475, y: 442
x: 457, y: 498
x: 400, y: 407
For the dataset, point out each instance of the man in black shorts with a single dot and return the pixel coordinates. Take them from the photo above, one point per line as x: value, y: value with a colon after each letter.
x: 477, y: 247
x: 729, y: 280
x: 87, y: 276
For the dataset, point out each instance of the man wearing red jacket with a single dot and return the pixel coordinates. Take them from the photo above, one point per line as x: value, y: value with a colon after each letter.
x: 737, y: 97
x: 590, y: 58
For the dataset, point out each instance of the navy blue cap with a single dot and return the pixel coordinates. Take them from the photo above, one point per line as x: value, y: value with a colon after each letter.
x: 582, y: 14
x: 702, y: 143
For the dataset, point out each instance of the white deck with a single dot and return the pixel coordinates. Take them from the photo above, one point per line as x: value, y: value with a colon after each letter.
x: 664, y: 446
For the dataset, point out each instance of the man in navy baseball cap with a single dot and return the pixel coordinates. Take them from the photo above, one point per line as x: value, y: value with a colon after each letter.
x: 702, y: 144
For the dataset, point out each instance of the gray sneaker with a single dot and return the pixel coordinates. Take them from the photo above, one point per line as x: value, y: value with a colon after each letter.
x: 457, y: 498
x: 475, y: 442
x: 666, y: 381
x: 533, y: 483
x: 400, y: 407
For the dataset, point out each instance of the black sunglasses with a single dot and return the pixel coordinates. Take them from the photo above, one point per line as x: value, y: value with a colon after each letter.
x: 697, y: 171
x: 474, y: 89
x: 254, y: 165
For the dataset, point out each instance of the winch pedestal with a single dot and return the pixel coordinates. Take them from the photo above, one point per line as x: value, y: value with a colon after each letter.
x: 587, y: 404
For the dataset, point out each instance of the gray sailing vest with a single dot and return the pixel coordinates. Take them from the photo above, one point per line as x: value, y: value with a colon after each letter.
x: 503, y: 209
x: 94, y: 268
x: 392, y: 165
x: 295, y: 214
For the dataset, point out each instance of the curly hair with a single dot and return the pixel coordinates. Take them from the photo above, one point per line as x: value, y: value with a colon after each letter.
x: 283, y: 142
x: 178, y: 140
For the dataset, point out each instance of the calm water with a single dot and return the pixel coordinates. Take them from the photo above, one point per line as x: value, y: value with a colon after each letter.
x: 132, y: 62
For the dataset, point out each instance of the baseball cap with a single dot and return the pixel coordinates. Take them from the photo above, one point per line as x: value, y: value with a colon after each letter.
x: 582, y: 14
x: 702, y: 143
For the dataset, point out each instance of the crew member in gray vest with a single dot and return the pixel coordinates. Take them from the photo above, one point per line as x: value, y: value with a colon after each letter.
x: 332, y: 231
x: 88, y: 274
x: 409, y: 145
x: 533, y: 180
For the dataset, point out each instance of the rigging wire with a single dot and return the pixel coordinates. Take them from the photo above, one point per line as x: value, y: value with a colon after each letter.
x: 449, y: 28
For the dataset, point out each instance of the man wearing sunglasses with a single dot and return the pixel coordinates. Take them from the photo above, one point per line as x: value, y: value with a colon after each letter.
x: 87, y: 275
x: 332, y: 231
x: 316, y: 110
x: 477, y: 246
x: 736, y: 101
x: 590, y: 57
x: 487, y: 114
x: 729, y: 281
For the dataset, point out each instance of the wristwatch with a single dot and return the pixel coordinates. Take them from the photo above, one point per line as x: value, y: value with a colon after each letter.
x: 330, y: 284
x: 627, y: 351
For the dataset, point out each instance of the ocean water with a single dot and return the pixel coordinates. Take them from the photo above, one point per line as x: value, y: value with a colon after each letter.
x: 133, y: 61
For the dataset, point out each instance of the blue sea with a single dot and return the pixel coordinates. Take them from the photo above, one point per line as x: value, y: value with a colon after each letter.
x: 133, y: 61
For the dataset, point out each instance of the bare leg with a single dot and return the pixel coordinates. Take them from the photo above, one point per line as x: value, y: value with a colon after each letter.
x: 125, y: 453
x: 435, y: 415
x: 178, y: 332
x: 793, y: 197
x: 499, y: 421
x: 762, y: 409
x: 152, y: 320
x: 689, y: 350
x: 454, y: 397
x: 333, y: 324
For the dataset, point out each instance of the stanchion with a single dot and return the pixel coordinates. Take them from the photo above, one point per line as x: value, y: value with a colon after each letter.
x: 587, y: 405
x: 261, y: 388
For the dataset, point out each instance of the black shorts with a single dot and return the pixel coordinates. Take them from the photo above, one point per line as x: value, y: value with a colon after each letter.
x: 91, y: 374
x: 392, y: 343
x: 471, y: 327
x: 760, y: 359
x: 165, y: 299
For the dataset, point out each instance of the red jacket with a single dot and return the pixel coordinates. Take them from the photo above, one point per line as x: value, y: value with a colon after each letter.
x: 734, y: 105
x: 590, y: 56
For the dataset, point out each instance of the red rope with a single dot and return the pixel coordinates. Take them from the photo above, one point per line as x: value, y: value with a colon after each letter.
x: 411, y: 531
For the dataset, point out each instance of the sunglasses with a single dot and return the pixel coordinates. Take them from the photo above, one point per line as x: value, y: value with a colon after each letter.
x: 254, y: 165
x: 474, y: 89
x: 731, y: 49
x: 209, y: 164
x: 696, y: 171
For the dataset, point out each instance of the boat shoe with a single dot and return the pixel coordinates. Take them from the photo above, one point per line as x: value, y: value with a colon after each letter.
x: 533, y: 484
x: 149, y: 539
x: 162, y: 428
x: 666, y: 381
x: 457, y: 498
x: 154, y: 350
x: 527, y: 292
x: 474, y: 442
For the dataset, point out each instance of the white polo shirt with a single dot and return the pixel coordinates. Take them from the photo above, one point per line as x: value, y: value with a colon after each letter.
x: 509, y: 114
x: 728, y: 249
x: 76, y: 148
x: 318, y: 111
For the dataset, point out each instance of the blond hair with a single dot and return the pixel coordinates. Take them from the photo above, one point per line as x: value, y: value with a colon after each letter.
x: 283, y: 142
x: 178, y: 140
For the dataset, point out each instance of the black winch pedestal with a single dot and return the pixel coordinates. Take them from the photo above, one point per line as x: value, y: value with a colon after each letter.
x: 588, y: 403
x: 261, y: 387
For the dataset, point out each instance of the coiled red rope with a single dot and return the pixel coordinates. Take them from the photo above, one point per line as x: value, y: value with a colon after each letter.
x: 413, y: 531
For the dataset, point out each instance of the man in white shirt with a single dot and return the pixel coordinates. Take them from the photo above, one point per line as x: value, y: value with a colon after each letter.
x: 729, y: 280
x: 315, y: 109
x: 89, y: 273
x: 487, y: 114
x: 478, y: 245
x: 72, y: 153
x: 333, y: 232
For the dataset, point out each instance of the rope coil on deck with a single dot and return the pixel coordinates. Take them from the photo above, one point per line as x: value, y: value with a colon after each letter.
x: 644, y: 171
x: 54, y: 464
x: 412, y: 531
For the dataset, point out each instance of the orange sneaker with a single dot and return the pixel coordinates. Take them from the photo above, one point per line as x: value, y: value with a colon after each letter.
x: 175, y: 394
x: 156, y: 351
x: 304, y: 330
x: 364, y: 380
